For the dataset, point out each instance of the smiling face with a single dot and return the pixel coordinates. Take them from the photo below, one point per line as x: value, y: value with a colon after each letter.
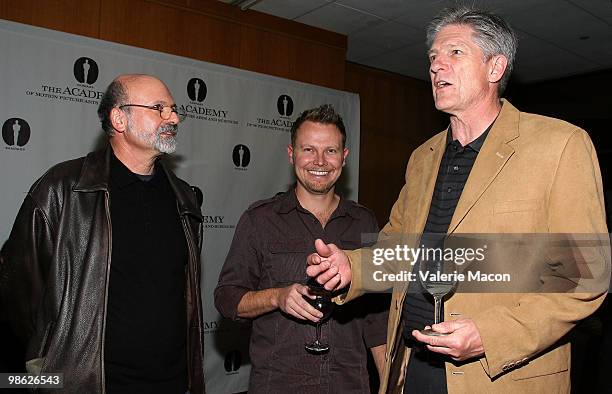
x: 461, y: 78
x: 317, y: 157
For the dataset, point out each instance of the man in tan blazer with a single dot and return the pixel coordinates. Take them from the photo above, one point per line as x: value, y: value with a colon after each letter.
x: 524, y: 174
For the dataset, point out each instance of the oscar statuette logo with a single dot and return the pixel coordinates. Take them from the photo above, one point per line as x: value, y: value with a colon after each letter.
x: 86, y: 70
x: 196, y: 89
x: 16, y: 132
x: 241, y: 156
x: 284, y: 104
x: 233, y: 361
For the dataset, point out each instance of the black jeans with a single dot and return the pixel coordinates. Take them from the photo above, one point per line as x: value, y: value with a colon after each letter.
x: 426, y: 373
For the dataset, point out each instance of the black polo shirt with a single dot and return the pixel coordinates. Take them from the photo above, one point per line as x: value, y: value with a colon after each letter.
x: 426, y: 370
x: 145, y: 336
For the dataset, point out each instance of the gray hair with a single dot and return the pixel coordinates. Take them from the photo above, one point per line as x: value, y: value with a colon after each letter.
x: 114, y: 96
x: 491, y: 33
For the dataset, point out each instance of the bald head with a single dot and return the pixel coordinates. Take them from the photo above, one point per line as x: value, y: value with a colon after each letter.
x: 135, y: 82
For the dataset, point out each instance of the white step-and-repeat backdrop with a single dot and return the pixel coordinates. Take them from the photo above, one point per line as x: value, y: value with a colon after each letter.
x: 233, y: 145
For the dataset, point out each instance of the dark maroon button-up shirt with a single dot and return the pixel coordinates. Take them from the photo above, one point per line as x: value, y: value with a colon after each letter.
x: 270, y: 246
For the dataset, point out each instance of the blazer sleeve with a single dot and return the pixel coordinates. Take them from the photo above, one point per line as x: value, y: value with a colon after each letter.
x: 361, y: 260
x: 575, y: 207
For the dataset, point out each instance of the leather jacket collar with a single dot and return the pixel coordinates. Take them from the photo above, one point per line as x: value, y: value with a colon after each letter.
x: 96, y: 170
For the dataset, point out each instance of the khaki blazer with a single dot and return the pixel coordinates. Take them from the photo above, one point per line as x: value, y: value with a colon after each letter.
x: 533, y: 175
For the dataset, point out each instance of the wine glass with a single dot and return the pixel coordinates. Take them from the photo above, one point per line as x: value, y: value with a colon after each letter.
x: 438, y: 278
x: 323, y: 303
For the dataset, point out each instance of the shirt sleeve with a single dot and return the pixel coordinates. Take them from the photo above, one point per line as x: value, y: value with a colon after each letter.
x: 241, y: 271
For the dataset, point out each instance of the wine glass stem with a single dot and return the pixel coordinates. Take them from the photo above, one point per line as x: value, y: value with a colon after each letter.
x: 318, y: 332
x: 437, y: 309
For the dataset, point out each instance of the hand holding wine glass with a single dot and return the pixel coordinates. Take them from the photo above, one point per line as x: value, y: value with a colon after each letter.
x: 323, y: 303
x: 438, y: 278
x: 294, y: 300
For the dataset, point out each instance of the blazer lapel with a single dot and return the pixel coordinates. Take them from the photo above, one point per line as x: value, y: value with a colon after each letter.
x: 492, y: 157
x: 429, y: 173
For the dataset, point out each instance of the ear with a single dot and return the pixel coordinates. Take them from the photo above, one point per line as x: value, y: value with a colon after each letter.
x: 118, y: 119
x: 290, y: 153
x: 497, y: 67
x: 345, y: 153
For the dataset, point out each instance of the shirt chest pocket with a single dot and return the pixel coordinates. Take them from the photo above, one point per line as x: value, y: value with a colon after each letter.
x: 285, y: 262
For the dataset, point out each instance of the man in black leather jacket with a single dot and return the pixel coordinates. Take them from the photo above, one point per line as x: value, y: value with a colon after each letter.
x: 101, y: 272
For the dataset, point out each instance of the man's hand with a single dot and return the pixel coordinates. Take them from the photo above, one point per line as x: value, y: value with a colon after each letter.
x: 330, y: 266
x: 291, y: 301
x: 462, y: 342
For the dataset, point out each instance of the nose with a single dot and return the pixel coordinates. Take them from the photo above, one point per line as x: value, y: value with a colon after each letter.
x: 319, y: 159
x: 174, y: 118
x: 437, y: 64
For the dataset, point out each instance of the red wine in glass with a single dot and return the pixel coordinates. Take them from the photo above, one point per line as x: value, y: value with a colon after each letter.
x: 323, y: 303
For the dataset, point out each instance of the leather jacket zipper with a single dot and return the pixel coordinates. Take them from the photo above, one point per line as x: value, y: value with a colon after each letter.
x: 108, y: 266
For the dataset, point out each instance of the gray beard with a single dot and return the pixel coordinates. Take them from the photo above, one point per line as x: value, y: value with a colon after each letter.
x: 162, y: 144
x: 165, y: 144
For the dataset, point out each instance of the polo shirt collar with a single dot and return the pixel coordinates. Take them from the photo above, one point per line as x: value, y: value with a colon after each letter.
x: 475, y: 145
x: 122, y: 177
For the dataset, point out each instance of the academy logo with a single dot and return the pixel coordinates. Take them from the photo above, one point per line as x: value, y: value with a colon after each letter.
x: 197, y: 91
x: 86, y: 72
x: 216, y: 222
x: 284, y: 122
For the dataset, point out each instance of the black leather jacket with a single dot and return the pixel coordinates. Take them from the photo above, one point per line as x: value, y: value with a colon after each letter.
x: 54, y: 272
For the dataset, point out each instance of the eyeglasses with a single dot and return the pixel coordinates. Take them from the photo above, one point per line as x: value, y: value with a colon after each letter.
x: 165, y: 111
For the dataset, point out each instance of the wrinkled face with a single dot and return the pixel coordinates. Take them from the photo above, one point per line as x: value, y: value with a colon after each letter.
x: 146, y: 129
x: 317, y: 157
x: 458, y: 70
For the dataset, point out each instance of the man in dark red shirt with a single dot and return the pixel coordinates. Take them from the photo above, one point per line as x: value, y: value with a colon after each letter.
x: 263, y: 276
